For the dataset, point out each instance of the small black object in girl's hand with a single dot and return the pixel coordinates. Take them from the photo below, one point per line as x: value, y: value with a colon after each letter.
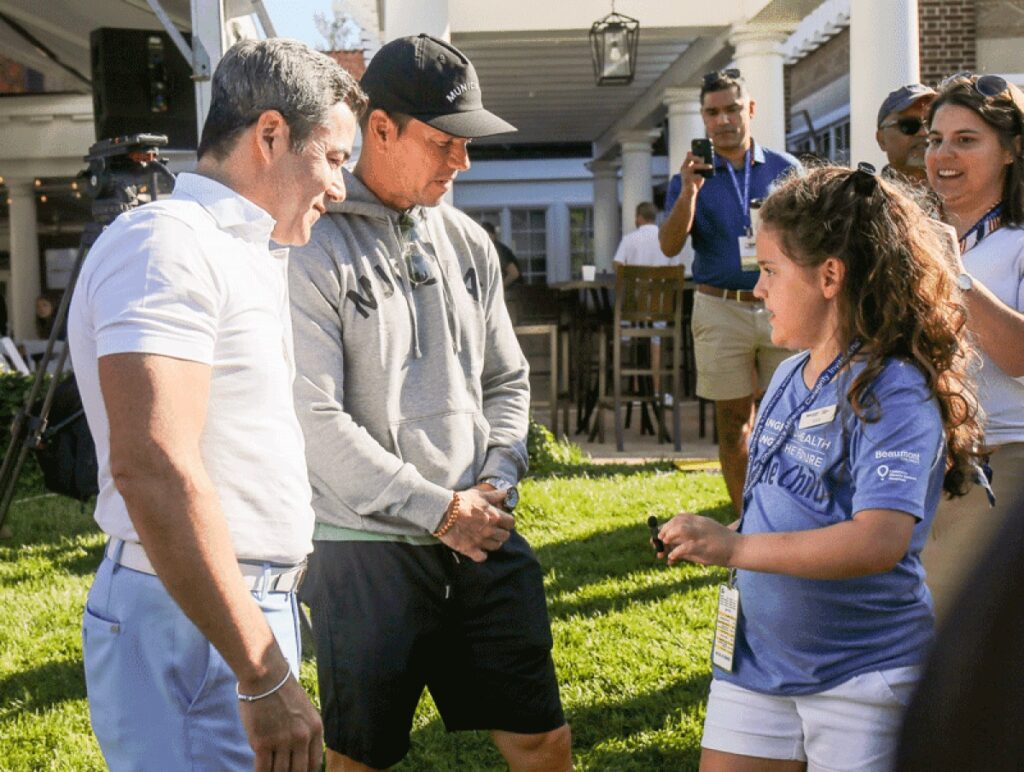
x: 652, y: 523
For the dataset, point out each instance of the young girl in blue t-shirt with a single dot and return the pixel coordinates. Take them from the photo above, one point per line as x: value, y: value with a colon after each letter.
x: 855, y: 440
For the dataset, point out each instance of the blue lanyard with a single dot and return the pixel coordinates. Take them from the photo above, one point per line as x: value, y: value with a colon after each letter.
x: 980, y: 229
x: 744, y: 195
x: 759, y: 460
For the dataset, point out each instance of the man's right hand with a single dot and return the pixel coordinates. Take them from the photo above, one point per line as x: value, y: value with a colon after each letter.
x: 690, y: 172
x: 284, y: 730
x: 676, y: 227
x: 482, y: 526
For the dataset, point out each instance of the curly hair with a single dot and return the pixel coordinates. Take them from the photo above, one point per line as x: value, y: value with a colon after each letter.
x: 899, y: 294
x: 1004, y: 112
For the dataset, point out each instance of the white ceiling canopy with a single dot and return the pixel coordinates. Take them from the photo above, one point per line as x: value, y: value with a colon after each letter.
x: 543, y: 83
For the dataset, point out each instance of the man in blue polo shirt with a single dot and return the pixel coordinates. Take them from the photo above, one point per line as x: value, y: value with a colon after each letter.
x: 732, y: 339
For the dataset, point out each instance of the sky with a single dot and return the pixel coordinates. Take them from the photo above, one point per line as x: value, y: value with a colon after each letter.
x: 294, y: 19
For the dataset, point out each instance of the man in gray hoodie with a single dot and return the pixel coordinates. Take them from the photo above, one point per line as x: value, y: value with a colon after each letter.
x: 413, y: 395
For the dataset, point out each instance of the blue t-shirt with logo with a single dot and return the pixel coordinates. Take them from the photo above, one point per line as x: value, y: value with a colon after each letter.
x: 804, y: 636
x: 719, y: 219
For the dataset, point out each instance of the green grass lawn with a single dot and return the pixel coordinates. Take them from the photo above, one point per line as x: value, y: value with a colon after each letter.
x: 632, y: 637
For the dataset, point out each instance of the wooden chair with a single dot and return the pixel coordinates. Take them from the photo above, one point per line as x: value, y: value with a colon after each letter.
x: 644, y: 296
x: 537, y: 316
x: 557, y: 370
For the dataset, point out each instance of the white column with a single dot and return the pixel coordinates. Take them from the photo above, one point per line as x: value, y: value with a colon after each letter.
x: 606, y: 212
x: 25, y: 286
x: 636, y: 173
x: 684, y: 123
x: 411, y: 17
x: 208, y: 27
x: 884, y: 55
x: 759, y: 58
x: 559, y: 265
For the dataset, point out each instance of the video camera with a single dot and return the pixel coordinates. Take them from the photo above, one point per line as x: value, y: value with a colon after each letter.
x: 122, y: 174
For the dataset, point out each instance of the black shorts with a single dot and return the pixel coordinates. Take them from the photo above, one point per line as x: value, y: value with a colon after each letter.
x: 390, y: 618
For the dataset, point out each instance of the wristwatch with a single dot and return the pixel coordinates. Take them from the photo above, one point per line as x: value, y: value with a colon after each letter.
x: 511, y: 493
x: 965, y: 282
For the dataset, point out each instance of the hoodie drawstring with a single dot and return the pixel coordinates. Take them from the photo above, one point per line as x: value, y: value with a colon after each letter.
x: 405, y: 225
x: 408, y: 225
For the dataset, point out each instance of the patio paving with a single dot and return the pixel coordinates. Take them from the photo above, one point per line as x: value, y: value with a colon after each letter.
x: 645, y: 447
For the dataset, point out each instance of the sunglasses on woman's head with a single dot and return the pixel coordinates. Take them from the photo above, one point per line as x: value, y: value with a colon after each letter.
x: 987, y: 85
x: 908, y: 126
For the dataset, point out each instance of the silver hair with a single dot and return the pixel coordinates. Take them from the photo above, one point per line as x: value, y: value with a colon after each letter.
x: 276, y: 74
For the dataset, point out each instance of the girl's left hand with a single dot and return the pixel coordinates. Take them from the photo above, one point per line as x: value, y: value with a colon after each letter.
x: 698, y: 540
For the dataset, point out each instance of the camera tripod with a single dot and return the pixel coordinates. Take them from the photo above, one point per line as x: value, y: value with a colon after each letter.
x: 123, y: 173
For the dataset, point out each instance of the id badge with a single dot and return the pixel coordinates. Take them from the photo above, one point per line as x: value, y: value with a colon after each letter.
x: 822, y: 415
x: 725, y: 627
x: 748, y: 251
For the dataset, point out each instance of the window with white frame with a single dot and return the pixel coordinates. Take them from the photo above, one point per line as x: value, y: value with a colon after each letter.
x: 493, y: 216
x: 581, y: 237
x: 528, y: 239
x: 831, y: 142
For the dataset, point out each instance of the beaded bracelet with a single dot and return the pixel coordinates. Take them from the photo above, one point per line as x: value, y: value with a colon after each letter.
x: 450, y: 518
x: 254, y: 697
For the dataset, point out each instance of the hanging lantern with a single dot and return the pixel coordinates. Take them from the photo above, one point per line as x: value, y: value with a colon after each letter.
x: 613, y: 42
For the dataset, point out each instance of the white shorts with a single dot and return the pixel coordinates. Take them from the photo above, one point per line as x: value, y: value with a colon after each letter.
x: 854, y: 726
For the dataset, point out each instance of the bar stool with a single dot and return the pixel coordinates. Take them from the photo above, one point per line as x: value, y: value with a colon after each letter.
x: 644, y: 296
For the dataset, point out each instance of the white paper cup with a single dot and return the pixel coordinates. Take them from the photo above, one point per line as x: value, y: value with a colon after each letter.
x: 589, y: 272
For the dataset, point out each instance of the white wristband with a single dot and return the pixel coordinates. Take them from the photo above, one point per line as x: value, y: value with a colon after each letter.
x: 254, y: 697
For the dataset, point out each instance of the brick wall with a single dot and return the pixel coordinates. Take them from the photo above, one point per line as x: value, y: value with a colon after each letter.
x: 947, y: 37
x: 351, y: 61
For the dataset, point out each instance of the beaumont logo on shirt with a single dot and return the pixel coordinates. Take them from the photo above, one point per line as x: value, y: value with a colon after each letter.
x: 887, y: 473
x: 902, y: 455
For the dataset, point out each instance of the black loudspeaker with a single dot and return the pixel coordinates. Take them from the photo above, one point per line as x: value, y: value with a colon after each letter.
x: 142, y: 84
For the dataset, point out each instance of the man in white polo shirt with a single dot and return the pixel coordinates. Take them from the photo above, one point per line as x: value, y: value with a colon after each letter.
x: 641, y: 247
x: 182, y: 344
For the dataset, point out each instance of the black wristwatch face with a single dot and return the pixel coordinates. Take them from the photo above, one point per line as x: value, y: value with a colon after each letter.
x: 511, y: 498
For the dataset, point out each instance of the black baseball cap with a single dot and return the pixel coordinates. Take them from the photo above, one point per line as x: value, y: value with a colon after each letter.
x: 433, y: 82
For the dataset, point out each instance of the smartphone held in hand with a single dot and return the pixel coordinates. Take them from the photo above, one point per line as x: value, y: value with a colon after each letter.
x: 704, y: 149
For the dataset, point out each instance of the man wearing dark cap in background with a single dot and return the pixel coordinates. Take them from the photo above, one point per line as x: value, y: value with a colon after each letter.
x: 902, y: 132
x: 413, y: 395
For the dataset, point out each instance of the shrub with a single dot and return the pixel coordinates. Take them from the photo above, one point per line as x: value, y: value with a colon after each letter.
x: 550, y: 456
x: 14, y: 388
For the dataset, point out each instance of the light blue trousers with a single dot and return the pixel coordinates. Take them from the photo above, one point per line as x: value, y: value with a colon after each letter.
x: 160, y: 695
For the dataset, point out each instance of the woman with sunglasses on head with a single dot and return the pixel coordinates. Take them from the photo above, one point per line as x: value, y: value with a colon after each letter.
x: 855, y: 441
x: 976, y: 167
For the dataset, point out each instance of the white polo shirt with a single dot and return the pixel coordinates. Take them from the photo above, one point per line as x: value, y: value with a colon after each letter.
x: 641, y: 248
x: 192, y: 277
x: 998, y: 262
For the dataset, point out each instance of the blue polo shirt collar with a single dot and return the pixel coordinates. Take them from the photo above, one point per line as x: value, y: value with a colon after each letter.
x: 758, y: 157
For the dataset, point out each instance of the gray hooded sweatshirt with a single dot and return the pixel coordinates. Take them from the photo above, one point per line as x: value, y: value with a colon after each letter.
x: 406, y: 390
